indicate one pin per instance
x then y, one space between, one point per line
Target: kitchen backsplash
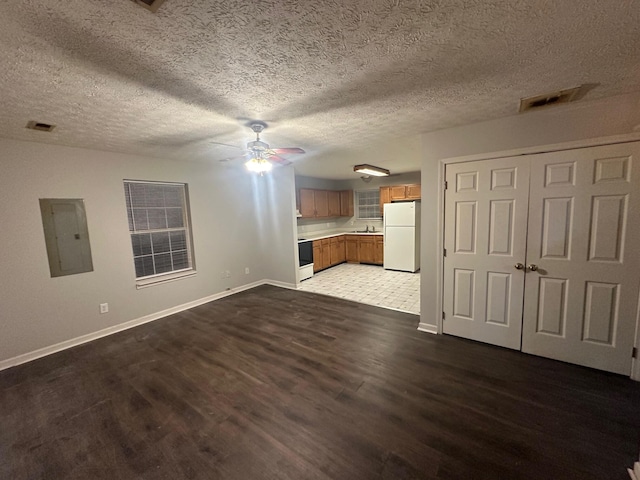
308 226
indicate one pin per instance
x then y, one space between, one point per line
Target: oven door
305 252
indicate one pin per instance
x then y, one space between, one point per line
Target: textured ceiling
328 76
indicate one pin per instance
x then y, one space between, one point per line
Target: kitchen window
368 204
160 231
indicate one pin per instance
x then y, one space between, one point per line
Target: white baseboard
425 327
43 352
277 283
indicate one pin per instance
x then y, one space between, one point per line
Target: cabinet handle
519 266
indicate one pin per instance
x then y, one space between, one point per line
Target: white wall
564 123
276 237
38 311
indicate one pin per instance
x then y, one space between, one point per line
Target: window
159 227
368 204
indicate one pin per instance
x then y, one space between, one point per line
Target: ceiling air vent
43 127
152 5
554 98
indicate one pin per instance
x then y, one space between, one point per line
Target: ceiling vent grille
152 5
548 99
43 127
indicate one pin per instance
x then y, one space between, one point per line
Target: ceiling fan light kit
258 165
261 156
371 170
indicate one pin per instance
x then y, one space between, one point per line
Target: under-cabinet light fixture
371 170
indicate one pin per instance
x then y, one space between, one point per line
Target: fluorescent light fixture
258 165
371 170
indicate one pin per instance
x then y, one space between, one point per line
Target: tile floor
368 284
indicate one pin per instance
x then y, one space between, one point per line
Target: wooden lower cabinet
328 252
351 248
365 249
317 256
379 250
337 250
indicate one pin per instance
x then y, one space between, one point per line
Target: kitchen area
359 239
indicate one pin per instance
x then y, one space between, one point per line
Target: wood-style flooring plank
279 384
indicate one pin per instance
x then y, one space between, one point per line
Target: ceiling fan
260 157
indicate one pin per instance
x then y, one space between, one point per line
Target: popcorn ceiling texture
326 75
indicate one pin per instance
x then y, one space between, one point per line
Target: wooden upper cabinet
333 202
307 202
413 192
385 197
398 192
346 203
322 203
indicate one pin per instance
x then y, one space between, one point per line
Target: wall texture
564 123
38 311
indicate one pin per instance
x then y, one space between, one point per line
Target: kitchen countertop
319 236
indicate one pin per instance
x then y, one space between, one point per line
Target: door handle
519 266
533 267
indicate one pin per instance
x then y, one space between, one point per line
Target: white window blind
159 227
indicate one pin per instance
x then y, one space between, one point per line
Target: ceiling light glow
371 170
258 165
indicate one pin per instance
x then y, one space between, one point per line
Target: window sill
169 277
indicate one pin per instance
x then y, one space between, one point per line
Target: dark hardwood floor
280 384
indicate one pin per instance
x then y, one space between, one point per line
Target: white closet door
485 237
583 237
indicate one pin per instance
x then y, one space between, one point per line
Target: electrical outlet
104 308
246 270
228 274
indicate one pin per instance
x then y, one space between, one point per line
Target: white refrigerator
402 236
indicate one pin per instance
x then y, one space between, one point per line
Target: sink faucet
367 230
373 229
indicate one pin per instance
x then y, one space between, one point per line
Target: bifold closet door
485 239
583 256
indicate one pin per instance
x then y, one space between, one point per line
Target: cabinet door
366 249
413 192
398 192
385 197
335 251
341 249
326 253
307 202
333 203
351 248
346 203
322 203
317 256
379 250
